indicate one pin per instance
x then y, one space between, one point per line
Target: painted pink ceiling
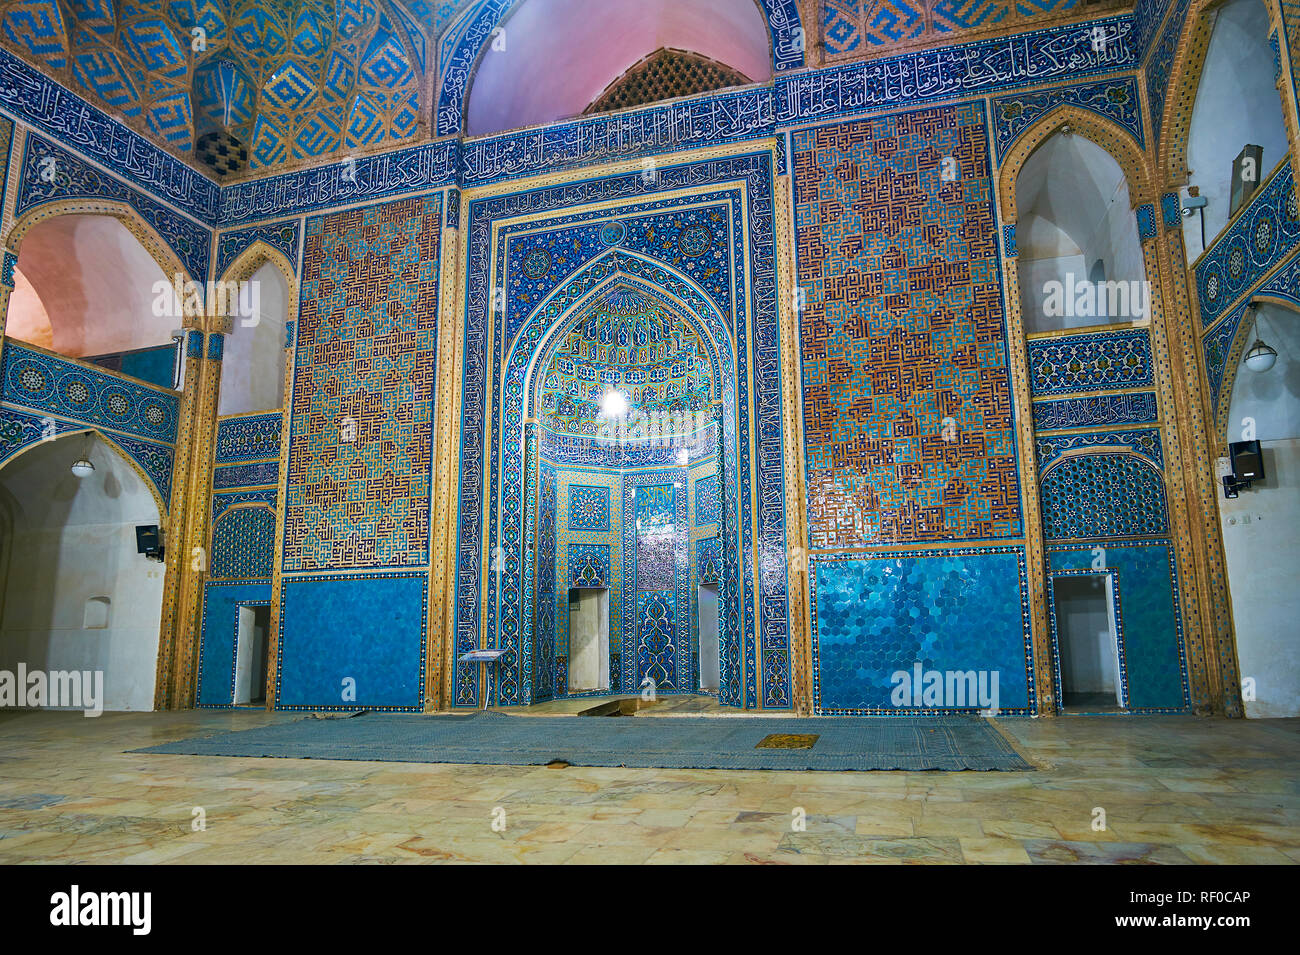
561 54
95 283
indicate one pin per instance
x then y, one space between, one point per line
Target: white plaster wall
1261 527
252 367
73 540
1261 537
1237 103
1272 398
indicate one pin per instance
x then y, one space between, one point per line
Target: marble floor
1172 790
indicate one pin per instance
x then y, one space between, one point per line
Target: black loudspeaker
148 541
1247 461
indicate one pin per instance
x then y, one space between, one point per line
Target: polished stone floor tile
1173 790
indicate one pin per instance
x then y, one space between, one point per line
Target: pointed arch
720 360
465 41
246 264
112 445
1183 83
1118 143
1232 361
1181 87
153 243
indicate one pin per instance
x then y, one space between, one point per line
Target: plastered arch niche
553 58
1259 526
252 365
1236 103
87 288
1076 227
76 594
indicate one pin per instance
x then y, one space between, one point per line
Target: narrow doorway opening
710 663
1087 643
252 645
588 639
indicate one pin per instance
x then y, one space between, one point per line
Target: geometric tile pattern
243 543
1258 238
707 504
1103 495
544 648
289 79
1115 99
857 27
907 396
708 560
588 508
1161 63
693 240
248 438
361 448
948 610
625 342
282 236
56 386
656 534
76 179
589 565
1097 362
492 389
1145 441
217 657
1222 344
656 583
1150 631
221 503
18 431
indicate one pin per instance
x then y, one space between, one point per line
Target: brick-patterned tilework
366 352
903 327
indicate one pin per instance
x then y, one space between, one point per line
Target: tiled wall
907 408
360 456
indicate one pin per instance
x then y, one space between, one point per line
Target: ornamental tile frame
1178 406
756 448
253 446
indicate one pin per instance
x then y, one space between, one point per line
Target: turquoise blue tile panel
951 610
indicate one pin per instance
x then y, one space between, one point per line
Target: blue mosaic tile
953 610
1150 626
219 631
1103 495
364 628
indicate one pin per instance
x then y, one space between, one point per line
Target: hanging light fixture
1260 357
83 467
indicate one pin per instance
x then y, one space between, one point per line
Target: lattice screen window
221 152
666 74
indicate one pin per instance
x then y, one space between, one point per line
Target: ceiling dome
629 343
254 83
